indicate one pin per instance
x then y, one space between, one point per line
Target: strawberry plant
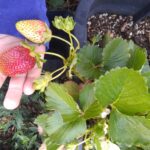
106 101
111 98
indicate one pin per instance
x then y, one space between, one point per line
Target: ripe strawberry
34 30
16 60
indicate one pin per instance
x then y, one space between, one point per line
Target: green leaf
133 148
125 89
32 141
107 38
73 89
50 145
93 110
49 123
41 119
89 104
137 58
146 72
133 104
116 53
57 98
145 68
68 132
129 130
86 96
56 3
89 61
96 39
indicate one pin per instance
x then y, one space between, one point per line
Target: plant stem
59 38
78 43
71 41
54 54
78 75
57 70
64 69
81 143
70 37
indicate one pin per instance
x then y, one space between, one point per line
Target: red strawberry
16 60
34 30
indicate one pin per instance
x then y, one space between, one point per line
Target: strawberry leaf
50 122
89 61
50 145
116 53
57 132
73 89
146 72
125 89
67 132
57 98
90 106
137 58
135 129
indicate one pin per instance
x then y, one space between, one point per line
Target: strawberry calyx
42 82
33 53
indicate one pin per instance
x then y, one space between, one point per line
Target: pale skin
21 83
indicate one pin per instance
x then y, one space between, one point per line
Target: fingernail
10 104
28 91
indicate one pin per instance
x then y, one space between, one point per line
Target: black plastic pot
87 8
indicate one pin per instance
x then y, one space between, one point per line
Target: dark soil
123 26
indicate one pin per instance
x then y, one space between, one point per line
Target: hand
21 83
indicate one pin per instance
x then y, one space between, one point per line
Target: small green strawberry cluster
22 58
65 24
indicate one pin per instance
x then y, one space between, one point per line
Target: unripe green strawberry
34 30
16 60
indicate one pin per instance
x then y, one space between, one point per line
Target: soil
123 26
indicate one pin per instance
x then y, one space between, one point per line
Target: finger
32 75
14 93
8 41
2 79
